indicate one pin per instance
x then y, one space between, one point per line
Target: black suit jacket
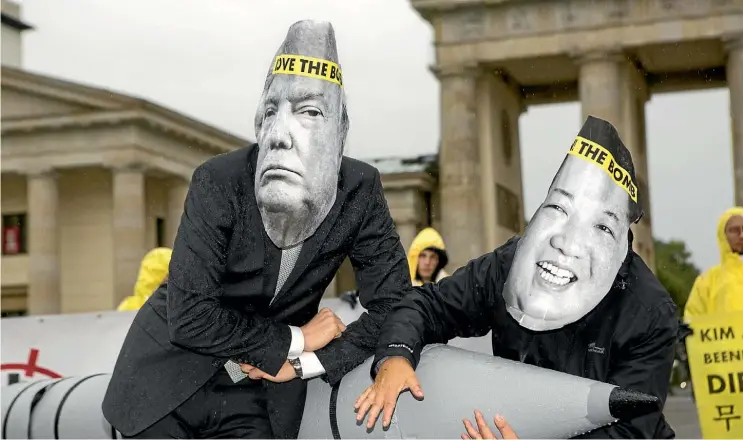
223 272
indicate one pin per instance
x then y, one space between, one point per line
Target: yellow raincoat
427 239
720 289
152 272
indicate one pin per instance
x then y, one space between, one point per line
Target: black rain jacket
627 340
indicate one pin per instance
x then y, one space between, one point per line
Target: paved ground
682 415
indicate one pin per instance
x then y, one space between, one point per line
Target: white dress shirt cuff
297 345
311 366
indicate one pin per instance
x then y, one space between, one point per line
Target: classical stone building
91 180
494 58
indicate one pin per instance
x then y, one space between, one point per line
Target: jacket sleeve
696 304
379 262
460 305
646 368
197 321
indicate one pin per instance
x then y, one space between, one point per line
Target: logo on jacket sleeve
593 348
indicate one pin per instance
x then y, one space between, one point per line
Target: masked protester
427 257
570 295
720 289
224 348
152 272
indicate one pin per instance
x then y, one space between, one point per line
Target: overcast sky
208 59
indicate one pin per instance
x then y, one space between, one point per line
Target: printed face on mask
572 249
300 141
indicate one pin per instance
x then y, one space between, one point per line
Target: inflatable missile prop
538 403
69 407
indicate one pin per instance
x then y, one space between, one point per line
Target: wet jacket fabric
719 289
152 272
627 340
218 302
428 238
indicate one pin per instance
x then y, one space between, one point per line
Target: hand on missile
322 329
395 376
483 430
285 374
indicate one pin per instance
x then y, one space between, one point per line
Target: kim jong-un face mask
572 249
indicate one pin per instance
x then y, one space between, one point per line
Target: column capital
471 70
733 41
606 54
124 166
41 171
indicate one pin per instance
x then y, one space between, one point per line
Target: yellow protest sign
715 353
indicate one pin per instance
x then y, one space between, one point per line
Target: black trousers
220 409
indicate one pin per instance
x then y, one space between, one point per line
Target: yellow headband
310 67
596 154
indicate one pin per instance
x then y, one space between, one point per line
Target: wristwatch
297 366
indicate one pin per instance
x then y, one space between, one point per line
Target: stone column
459 165
612 88
407 230
44 290
177 191
734 48
600 85
499 109
129 231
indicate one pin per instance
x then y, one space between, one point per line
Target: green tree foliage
675 270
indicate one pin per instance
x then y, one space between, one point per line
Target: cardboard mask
301 125
577 240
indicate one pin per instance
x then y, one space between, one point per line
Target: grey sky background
208 59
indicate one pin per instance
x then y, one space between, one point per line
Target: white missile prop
536 402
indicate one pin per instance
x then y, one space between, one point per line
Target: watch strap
297 365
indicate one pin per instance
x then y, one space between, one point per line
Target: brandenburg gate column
129 231
613 88
44 296
459 164
499 108
734 48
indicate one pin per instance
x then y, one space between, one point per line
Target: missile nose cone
626 404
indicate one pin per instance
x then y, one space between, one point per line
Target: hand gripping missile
536 402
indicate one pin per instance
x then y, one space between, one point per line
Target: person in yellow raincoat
152 272
720 289
427 257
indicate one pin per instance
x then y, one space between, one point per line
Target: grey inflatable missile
537 402
66 408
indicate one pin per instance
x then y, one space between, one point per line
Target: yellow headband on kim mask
600 156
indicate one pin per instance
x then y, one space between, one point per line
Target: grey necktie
289 258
